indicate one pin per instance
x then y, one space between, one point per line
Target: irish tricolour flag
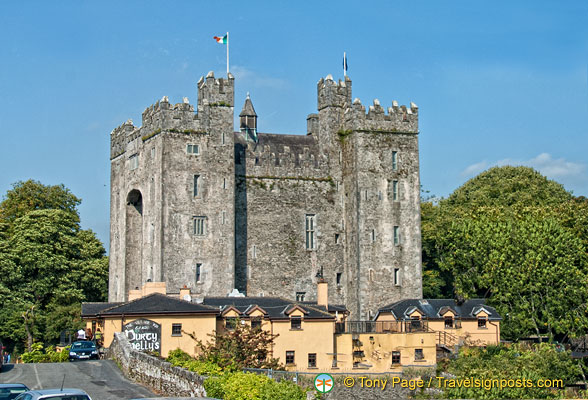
221 40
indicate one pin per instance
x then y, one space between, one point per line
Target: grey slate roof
434 308
274 306
248 109
158 303
91 309
330 308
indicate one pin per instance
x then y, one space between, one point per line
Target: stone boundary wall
153 372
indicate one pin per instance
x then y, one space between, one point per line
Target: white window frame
394 160
396 276
310 232
192 148
196 189
397 238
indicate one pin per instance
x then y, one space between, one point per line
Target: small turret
248 117
334 94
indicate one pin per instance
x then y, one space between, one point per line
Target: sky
497 83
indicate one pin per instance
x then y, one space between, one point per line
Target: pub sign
144 334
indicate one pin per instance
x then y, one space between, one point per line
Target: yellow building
311 337
471 322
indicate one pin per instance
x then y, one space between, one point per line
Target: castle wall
255 198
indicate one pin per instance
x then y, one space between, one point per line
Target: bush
283 390
40 355
244 386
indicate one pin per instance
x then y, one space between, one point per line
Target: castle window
253 251
289 357
176 329
134 162
395 357
223 217
296 323
394 160
196 179
396 235
338 279
310 232
222 138
395 190
373 235
198 272
337 238
193 149
396 276
224 183
199 226
371 275
153 152
311 360
300 296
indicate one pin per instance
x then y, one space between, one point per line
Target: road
101 379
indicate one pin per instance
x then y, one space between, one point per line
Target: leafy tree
518 239
242 347
47 263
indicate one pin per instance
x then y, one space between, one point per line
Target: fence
381 326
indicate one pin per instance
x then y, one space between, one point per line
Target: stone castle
195 203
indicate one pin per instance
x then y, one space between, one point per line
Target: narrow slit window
198 272
397 276
310 231
196 183
395 195
394 160
338 279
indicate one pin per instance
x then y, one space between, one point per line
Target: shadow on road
7 367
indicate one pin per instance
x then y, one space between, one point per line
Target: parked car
54 394
83 350
9 391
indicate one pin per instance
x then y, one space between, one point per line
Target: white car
54 394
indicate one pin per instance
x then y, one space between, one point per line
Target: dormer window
482 322
448 322
296 323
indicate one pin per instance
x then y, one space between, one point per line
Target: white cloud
245 75
553 168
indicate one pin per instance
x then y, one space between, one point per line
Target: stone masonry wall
153 372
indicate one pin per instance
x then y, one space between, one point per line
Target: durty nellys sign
143 334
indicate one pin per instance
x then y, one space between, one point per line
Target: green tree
47 263
518 239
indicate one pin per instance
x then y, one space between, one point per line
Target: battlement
334 94
401 119
118 138
163 115
216 92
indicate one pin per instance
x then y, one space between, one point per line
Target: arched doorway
134 241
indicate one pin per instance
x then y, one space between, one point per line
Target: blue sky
496 83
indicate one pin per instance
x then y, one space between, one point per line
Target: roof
435 308
91 309
157 303
275 307
248 109
330 307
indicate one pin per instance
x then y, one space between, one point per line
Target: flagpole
344 64
227 53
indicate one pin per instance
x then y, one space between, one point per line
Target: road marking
37 376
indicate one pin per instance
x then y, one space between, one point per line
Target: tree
242 347
518 239
47 262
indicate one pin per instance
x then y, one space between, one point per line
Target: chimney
185 293
322 293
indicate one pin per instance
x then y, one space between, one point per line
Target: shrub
283 390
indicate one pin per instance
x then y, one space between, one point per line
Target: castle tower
172 214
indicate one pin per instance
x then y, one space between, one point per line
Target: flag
344 62
221 40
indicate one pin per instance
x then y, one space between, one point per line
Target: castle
195 203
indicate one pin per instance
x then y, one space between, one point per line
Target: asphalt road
101 379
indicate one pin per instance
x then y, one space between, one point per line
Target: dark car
10 391
83 350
